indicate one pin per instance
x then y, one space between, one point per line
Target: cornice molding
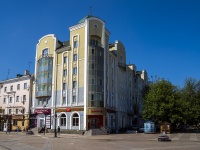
78 26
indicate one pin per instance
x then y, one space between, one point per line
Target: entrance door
94 123
41 122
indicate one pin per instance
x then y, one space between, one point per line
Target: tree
190 94
160 102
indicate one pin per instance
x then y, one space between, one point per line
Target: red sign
68 109
42 111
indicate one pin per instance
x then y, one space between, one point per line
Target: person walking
43 128
58 130
17 129
8 129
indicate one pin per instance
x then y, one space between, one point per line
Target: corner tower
89 40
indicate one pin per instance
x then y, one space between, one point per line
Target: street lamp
55 115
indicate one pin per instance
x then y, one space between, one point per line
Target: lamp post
55 115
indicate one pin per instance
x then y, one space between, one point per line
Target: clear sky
160 36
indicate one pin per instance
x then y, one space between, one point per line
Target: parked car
163 137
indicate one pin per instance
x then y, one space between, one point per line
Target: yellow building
76 82
71 74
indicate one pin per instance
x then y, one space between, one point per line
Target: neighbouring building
85 83
15 98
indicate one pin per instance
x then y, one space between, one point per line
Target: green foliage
190 94
165 102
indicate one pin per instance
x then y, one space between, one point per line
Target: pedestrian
8 129
58 130
17 129
44 129
26 128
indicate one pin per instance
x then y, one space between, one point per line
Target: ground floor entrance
95 121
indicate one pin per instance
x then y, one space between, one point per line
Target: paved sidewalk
141 141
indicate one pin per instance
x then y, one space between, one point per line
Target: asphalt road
132 141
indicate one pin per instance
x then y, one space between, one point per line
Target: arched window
75 121
45 53
63 120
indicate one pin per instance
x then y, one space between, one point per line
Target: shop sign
18 117
42 111
68 109
96 111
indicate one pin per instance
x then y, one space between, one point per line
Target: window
64 86
17 111
92 66
74 99
45 101
92 103
92 81
24 98
63 120
75 44
14 122
65 72
45 53
75 120
4 100
64 100
93 42
5 89
75 57
65 59
100 81
25 85
18 86
95 26
74 84
100 97
10 100
92 51
23 110
11 88
75 70
10 111
112 121
17 98
22 123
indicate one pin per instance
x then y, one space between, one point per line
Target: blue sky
160 36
